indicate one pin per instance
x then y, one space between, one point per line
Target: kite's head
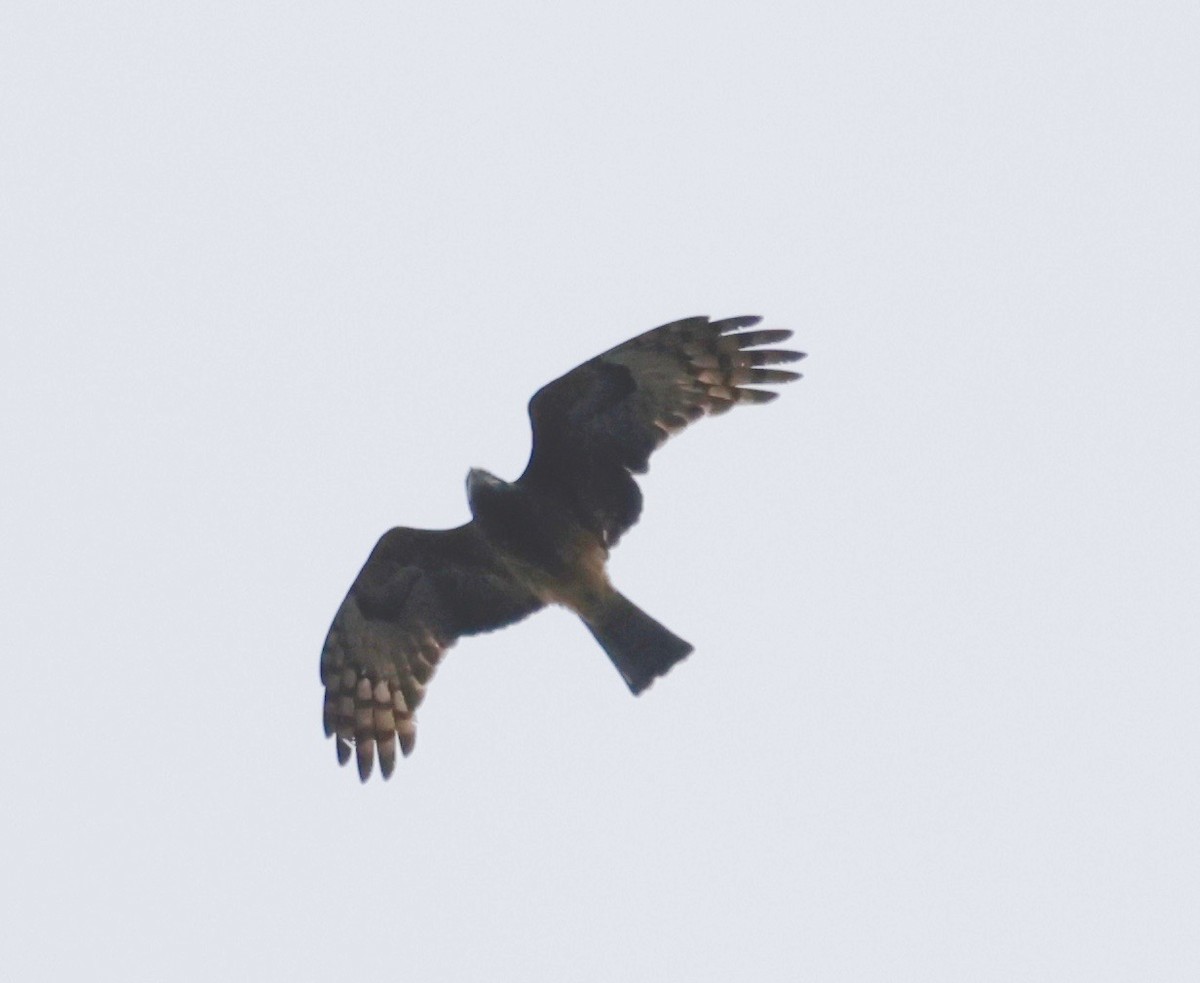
480 484
506 513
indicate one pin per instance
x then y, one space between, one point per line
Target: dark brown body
557 559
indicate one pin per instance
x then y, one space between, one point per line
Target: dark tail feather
639 646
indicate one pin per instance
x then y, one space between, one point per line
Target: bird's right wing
417 593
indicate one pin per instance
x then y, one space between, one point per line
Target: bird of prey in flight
542 539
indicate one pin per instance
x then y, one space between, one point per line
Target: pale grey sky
272 277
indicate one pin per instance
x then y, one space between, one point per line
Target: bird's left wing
419 590
596 426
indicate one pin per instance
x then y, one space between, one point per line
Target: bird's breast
543 546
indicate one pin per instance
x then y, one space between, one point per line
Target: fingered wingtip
727 324
408 740
365 748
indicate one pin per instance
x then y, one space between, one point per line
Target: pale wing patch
695 367
370 699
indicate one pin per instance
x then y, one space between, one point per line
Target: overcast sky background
274 276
